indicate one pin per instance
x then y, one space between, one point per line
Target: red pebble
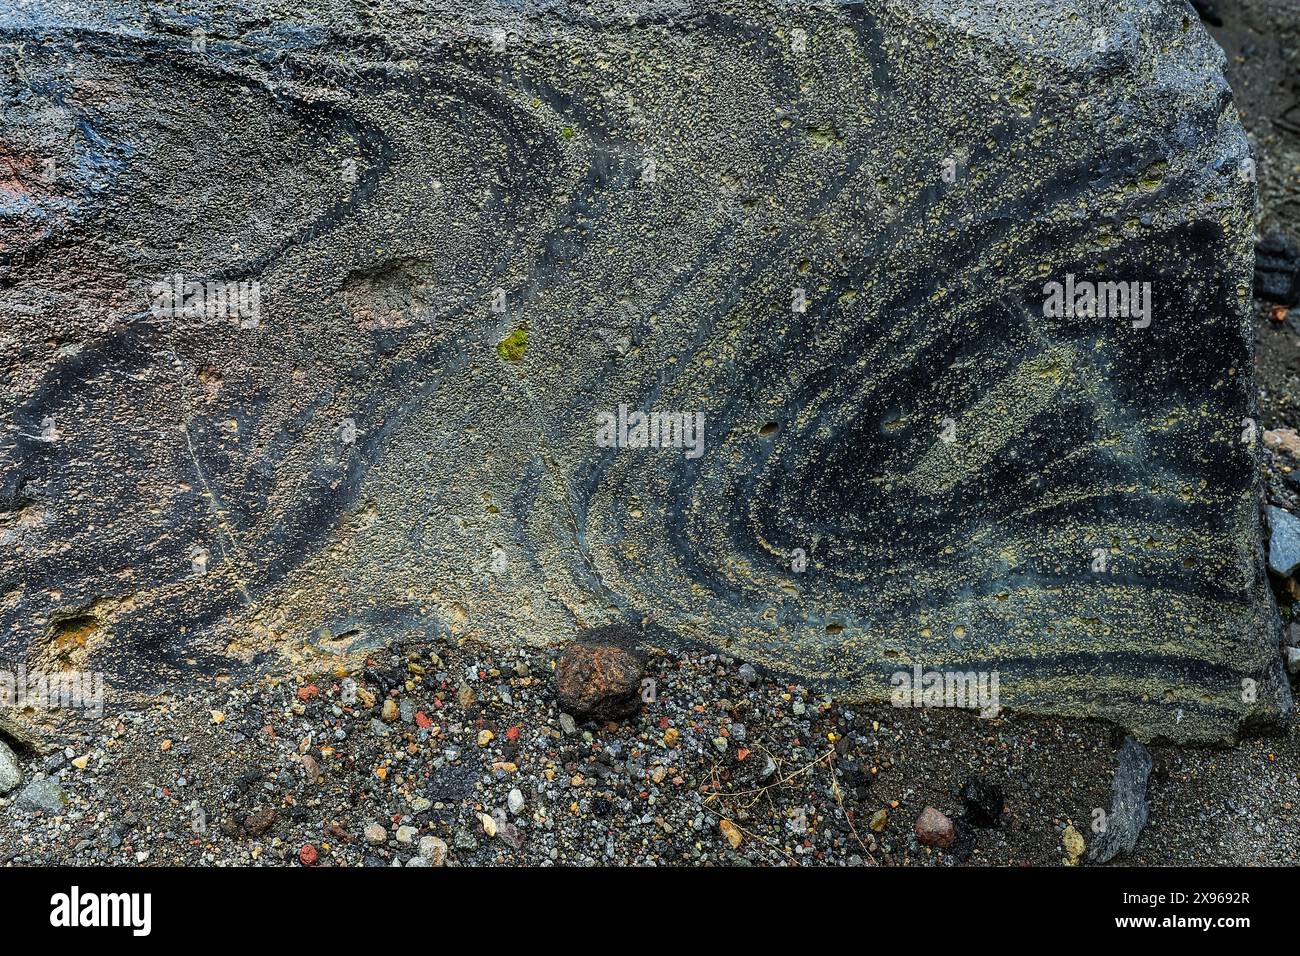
423 720
512 733
308 692
308 856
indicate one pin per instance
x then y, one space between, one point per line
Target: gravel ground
253 776
471 762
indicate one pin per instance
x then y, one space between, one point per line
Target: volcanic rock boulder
330 322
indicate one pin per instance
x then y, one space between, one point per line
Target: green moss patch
513 346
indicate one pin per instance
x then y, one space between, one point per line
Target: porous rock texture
600 674
476 227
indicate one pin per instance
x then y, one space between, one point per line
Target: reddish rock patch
934 828
599 674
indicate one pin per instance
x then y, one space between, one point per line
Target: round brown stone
934 828
599 675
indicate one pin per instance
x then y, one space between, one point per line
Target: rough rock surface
599 675
11 771
475 230
1283 542
44 794
1128 806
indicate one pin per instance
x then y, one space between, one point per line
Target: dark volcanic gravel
255 776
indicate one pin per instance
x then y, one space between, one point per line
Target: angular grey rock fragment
1283 542
1128 804
44 794
11 773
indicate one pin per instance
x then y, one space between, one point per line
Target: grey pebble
11 773
44 795
1284 542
